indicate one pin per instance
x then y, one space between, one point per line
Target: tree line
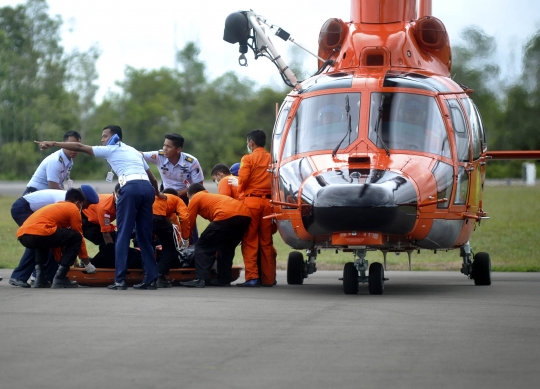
45 92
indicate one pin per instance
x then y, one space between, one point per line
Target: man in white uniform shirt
138 188
178 170
54 169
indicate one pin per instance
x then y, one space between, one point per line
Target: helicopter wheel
350 279
481 269
295 268
376 278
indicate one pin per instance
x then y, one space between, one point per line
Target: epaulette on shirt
189 159
161 152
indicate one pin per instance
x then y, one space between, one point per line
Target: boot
61 280
41 280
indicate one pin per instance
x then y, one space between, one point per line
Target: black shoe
63 282
118 286
250 283
21 283
61 279
214 282
144 286
162 282
196 283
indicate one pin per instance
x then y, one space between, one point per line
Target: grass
510 237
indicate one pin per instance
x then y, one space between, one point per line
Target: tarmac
428 329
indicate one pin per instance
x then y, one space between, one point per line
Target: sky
146 34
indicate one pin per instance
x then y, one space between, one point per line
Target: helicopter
378 150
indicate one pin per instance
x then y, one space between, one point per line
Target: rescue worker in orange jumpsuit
254 181
98 228
229 219
56 225
165 211
220 175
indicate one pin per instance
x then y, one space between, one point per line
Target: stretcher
104 277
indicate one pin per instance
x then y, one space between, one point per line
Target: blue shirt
123 159
44 197
177 176
56 168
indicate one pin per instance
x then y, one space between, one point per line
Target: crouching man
56 225
229 219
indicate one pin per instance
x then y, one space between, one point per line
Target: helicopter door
461 137
477 174
276 142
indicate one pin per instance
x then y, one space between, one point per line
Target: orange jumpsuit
46 220
254 182
96 212
174 205
228 190
214 207
229 219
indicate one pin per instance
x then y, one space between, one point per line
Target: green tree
38 81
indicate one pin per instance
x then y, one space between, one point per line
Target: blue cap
234 169
90 194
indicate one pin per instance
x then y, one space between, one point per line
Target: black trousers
63 237
222 237
163 230
105 256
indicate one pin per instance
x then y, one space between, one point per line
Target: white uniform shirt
179 176
123 159
44 197
56 168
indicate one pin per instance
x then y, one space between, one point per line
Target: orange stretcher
104 277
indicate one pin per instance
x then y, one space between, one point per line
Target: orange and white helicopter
380 149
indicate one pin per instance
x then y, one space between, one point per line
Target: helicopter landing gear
481 268
350 279
295 268
298 269
355 272
376 278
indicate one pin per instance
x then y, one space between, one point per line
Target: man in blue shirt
138 187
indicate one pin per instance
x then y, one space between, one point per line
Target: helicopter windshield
321 122
408 122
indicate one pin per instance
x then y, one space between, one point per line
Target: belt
123 179
267 196
159 217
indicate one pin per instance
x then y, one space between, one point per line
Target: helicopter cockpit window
321 122
278 129
406 121
460 130
476 127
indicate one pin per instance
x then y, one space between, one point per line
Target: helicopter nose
385 203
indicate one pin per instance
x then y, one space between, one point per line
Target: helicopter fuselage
397 181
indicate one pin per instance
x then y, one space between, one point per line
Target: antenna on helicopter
238 26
